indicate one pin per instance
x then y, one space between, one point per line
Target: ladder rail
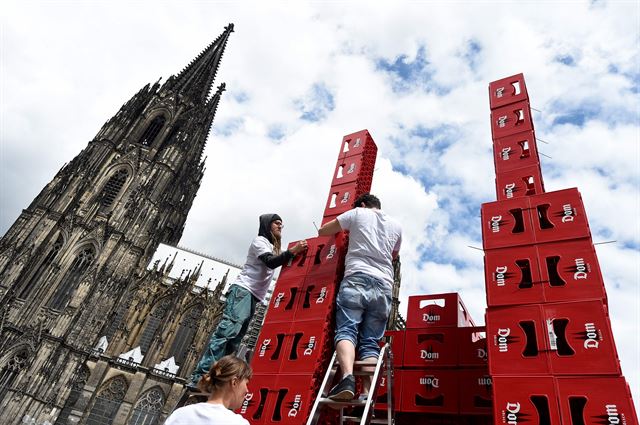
328 378
374 384
385 359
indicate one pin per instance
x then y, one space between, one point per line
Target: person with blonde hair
250 287
226 382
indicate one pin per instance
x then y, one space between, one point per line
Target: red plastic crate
507 90
580 340
570 271
271 347
475 391
525 181
595 400
558 216
512 276
258 400
276 399
309 344
431 347
516 151
396 342
282 306
472 343
352 168
511 119
317 299
327 258
342 197
298 265
506 223
358 143
433 391
517 341
525 400
437 310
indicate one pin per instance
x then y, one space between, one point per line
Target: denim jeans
363 307
225 340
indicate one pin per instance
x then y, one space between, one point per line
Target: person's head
271 228
228 377
367 201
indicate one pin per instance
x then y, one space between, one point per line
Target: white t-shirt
205 414
255 275
373 237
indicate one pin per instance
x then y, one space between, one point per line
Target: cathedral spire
196 79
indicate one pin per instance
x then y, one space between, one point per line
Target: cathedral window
113 187
76 389
108 401
68 283
185 333
26 287
152 131
148 408
10 370
153 323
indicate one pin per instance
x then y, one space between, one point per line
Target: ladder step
358 419
339 404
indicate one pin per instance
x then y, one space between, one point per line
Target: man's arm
330 228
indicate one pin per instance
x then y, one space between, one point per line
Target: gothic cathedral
88 333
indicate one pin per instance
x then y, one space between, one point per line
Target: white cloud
66 68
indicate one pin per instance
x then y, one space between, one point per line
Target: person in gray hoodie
250 287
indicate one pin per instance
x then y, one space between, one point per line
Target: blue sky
301 75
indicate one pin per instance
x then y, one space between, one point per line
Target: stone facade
73 267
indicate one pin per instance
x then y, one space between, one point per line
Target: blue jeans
363 307
236 316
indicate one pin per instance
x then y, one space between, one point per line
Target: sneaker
345 390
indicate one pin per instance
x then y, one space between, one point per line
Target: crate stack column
440 364
296 341
552 356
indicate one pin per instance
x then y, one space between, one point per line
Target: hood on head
265 225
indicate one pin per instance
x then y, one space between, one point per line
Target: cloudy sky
301 75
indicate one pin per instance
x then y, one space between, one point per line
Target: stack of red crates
551 351
296 340
440 364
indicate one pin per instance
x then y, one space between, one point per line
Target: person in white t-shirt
364 297
250 287
226 382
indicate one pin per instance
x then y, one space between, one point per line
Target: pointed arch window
148 408
112 189
71 278
108 401
10 370
154 319
152 131
186 332
27 286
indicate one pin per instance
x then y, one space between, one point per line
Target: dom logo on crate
495 222
322 295
503 339
247 403
429 354
309 346
612 415
485 381
481 353
430 382
581 269
502 274
294 406
511 413
264 347
591 335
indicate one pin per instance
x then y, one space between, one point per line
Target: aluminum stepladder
384 362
